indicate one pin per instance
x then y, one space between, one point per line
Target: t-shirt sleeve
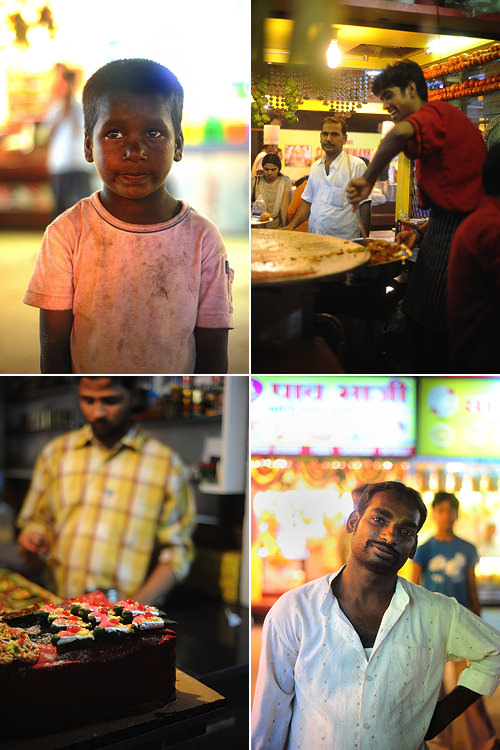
422 555
51 284
215 305
430 132
472 557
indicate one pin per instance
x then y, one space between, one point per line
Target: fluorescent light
445 45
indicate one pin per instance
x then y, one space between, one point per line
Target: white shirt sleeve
275 688
472 639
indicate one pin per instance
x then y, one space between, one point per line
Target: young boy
131 280
445 563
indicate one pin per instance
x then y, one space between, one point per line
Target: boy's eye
154 133
113 134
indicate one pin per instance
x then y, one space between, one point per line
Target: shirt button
366 725
369 678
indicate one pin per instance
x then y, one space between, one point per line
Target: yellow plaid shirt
109 512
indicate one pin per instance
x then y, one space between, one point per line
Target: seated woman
275 188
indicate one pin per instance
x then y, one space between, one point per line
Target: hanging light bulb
333 55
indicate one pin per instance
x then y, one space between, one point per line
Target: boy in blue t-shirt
445 563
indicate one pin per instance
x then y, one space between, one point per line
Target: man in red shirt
473 287
449 152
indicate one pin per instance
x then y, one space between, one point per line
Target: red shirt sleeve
449 152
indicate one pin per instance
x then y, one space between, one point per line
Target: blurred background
39 44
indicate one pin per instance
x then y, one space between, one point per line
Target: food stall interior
205 420
351 321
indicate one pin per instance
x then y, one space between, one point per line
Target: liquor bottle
187 396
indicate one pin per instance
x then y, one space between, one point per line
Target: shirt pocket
415 666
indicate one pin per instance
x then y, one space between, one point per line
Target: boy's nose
135 150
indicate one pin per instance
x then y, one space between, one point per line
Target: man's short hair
399 490
401 74
446 497
136 76
491 171
336 121
125 381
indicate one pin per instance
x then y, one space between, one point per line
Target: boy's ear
87 148
412 89
352 521
179 147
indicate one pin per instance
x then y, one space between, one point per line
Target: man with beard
354 660
108 507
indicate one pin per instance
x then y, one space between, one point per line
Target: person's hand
409 238
287 226
358 189
33 546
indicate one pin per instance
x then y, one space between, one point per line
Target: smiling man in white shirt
354 660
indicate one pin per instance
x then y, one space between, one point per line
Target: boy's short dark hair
336 121
401 74
446 497
491 171
136 76
400 490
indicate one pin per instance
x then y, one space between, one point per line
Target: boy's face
133 146
445 516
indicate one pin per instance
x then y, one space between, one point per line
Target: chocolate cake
52 677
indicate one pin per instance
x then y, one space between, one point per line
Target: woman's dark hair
491 171
401 74
399 490
136 76
272 159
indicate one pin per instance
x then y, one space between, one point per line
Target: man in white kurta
324 200
320 686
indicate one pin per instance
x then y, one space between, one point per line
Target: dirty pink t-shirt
137 291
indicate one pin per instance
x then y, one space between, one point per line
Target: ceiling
363 46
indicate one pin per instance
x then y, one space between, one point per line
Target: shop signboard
459 417
333 416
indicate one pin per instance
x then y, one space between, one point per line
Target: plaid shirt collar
134 438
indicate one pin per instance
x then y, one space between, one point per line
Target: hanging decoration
260 103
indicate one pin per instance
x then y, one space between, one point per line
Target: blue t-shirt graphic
445 565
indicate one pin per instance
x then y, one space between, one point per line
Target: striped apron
425 299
